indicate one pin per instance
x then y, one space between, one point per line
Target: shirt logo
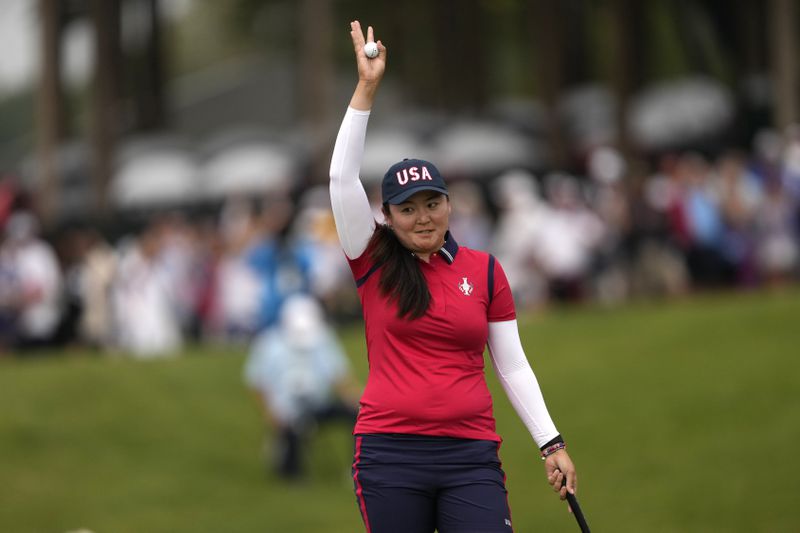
465 286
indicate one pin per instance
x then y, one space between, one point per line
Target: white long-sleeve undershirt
518 380
355 224
351 210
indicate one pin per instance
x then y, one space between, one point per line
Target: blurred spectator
282 261
70 249
776 234
740 195
8 288
32 283
698 222
608 198
765 160
329 275
237 287
98 271
301 378
147 323
209 251
569 240
469 220
8 196
657 266
791 162
181 261
521 219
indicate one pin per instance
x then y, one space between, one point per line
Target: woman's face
421 221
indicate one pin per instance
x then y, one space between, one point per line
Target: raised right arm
351 210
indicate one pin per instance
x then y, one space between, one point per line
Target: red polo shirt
426 375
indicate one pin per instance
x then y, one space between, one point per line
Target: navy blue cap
408 177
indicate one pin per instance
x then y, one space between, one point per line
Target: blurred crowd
620 230
686 222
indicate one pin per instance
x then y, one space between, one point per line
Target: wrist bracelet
550 450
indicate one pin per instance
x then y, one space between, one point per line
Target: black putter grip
576 510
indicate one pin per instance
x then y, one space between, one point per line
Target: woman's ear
387 215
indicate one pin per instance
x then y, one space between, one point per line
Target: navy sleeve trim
490 283
363 279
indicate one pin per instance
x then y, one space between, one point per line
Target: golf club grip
576 510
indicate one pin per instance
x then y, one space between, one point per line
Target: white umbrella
384 148
155 178
588 114
469 148
251 168
677 112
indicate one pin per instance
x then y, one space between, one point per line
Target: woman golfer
426 450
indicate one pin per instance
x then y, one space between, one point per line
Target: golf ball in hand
371 50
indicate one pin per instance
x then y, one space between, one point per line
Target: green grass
680 417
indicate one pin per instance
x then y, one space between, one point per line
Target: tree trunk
414 50
50 110
623 77
549 51
750 33
461 48
104 127
783 53
316 79
151 111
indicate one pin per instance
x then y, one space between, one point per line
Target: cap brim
405 195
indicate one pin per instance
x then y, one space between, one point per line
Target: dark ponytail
401 277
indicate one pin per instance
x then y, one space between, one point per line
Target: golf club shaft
576 510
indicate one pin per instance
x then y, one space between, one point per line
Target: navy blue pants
418 484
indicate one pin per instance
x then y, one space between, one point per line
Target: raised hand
370 71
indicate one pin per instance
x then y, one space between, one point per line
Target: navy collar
450 248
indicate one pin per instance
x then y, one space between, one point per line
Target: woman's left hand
557 466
